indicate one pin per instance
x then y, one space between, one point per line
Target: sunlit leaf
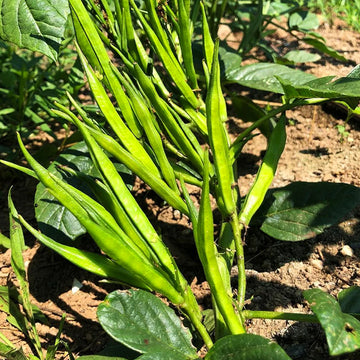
142 322
246 347
35 25
342 330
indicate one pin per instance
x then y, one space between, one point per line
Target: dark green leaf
246 347
142 322
163 355
261 76
349 300
342 330
321 46
301 56
275 9
343 88
302 210
303 20
35 25
100 357
11 353
55 220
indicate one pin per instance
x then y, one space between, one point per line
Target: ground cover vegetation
346 10
157 72
29 83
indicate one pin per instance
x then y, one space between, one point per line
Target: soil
277 271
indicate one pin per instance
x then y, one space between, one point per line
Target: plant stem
237 228
191 308
274 112
277 315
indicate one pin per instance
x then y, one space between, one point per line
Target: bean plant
165 121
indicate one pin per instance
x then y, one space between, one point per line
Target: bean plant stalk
166 121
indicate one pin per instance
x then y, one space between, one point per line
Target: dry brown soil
277 272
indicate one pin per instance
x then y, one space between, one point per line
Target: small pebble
347 251
177 214
317 263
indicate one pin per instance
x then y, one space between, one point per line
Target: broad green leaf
100 357
345 88
35 25
54 219
246 347
302 210
261 76
321 46
303 20
301 56
275 9
142 322
11 353
342 330
163 355
349 300
6 111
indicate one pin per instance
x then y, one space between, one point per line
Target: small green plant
345 10
15 302
256 20
167 125
29 83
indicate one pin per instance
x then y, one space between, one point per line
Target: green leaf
35 25
100 357
346 88
142 322
163 355
55 220
302 210
321 46
303 20
301 56
261 76
342 330
11 353
349 300
4 241
246 347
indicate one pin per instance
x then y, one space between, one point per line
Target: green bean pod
115 121
108 199
156 183
95 263
132 46
185 37
208 43
195 117
106 233
146 119
218 139
117 185
265 173
167 118
93 47
170 62
208 256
